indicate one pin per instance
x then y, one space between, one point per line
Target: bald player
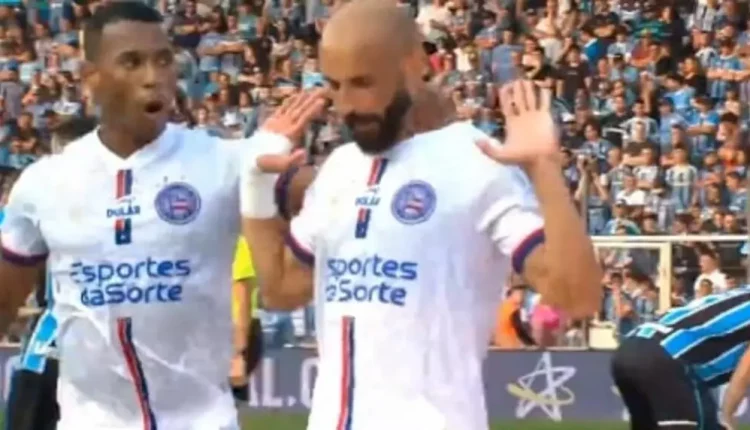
407 234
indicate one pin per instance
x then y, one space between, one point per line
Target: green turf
296 422
282 421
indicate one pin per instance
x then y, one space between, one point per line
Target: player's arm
539 235
285 278
23 248
736 388
564 269
282 251
536 220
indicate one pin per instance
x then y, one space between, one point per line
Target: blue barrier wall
555 385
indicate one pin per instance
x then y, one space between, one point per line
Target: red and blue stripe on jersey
124 183
124 188
377 169
125 336
347 374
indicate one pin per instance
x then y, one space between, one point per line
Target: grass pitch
282 421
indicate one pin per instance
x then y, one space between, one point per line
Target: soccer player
138 223
32 402
407 235
665 370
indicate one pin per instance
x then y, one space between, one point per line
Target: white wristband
257 194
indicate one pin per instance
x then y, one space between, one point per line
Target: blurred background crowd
651 95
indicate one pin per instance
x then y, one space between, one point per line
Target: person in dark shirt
573 75
604 22
539 71
666 370
674 30
571 138
667 61
612 123
694 77
186 26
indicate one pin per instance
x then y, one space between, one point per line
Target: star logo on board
543 388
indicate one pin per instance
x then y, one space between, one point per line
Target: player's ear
414 66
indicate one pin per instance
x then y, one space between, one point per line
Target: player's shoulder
36 173
37 177
199 145
33 183
198 140
49 167
455 146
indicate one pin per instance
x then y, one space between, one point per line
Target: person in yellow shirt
248 335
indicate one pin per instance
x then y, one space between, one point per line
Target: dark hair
593 123
733 174
710 254
729 117
112 13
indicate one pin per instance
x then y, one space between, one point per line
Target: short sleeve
305 228
20 236
512 218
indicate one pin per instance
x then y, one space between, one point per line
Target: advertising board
551 385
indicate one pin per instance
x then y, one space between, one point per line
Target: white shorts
82 415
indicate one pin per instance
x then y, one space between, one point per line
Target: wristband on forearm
258 199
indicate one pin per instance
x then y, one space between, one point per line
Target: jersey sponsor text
369 279
141 282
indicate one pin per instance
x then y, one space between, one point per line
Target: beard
375 133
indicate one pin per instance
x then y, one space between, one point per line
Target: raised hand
290 120
530 132
293 116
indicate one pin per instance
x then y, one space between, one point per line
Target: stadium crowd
652 97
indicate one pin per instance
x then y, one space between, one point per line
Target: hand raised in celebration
294 115
530 132
291 120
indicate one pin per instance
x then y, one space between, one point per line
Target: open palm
530 132
290 120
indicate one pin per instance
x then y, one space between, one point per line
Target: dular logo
549 395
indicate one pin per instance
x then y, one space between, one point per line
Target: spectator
546 324
511 330
710 270
618 305
705 288
631 195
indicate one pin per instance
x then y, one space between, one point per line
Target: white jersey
140 252
410 253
